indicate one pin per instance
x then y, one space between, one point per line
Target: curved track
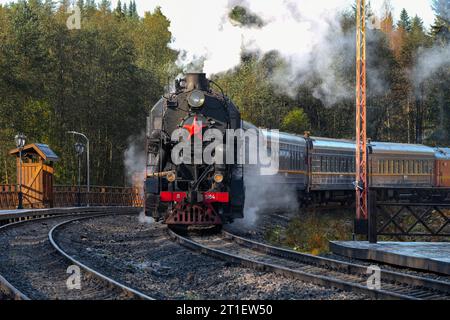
318 270
31 267
51 235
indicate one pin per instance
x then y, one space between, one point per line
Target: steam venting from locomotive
263 198
320 43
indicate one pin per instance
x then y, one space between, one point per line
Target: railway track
32 266
318 270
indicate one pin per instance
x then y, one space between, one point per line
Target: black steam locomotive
191 192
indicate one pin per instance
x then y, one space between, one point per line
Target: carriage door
443 178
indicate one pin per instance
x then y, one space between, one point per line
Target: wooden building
36 173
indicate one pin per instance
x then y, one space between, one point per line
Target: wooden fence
71 196
8 196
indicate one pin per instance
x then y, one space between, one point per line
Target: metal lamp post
79 149
87 161
20 143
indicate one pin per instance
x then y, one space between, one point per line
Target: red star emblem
195 128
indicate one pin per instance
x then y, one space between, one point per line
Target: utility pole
361 134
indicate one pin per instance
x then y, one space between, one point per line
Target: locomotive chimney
196 81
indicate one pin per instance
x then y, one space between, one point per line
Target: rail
112 288
113 283
318 270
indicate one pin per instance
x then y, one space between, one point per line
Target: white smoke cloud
265 194
134 161
142 218
430 60
299 30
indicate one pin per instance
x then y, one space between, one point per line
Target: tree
295 121
405 21
105 6
91 80
440 30
118 11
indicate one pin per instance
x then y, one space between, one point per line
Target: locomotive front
188 180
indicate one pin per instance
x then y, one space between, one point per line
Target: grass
311 232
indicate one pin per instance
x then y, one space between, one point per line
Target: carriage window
395 166
295 159
411 166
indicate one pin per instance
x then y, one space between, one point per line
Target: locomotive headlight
196 99
218 177
171 177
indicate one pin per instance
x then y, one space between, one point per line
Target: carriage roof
379 147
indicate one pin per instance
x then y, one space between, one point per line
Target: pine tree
440 30
405 21
133 10
80 4
105 6
118 11
130 9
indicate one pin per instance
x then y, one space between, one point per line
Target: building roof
41 149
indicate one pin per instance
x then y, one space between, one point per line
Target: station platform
14 212
426 256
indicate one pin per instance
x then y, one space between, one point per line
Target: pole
88 173
361 134
79 180
20 195
372 223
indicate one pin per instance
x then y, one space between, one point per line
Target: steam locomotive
317 170
191 192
